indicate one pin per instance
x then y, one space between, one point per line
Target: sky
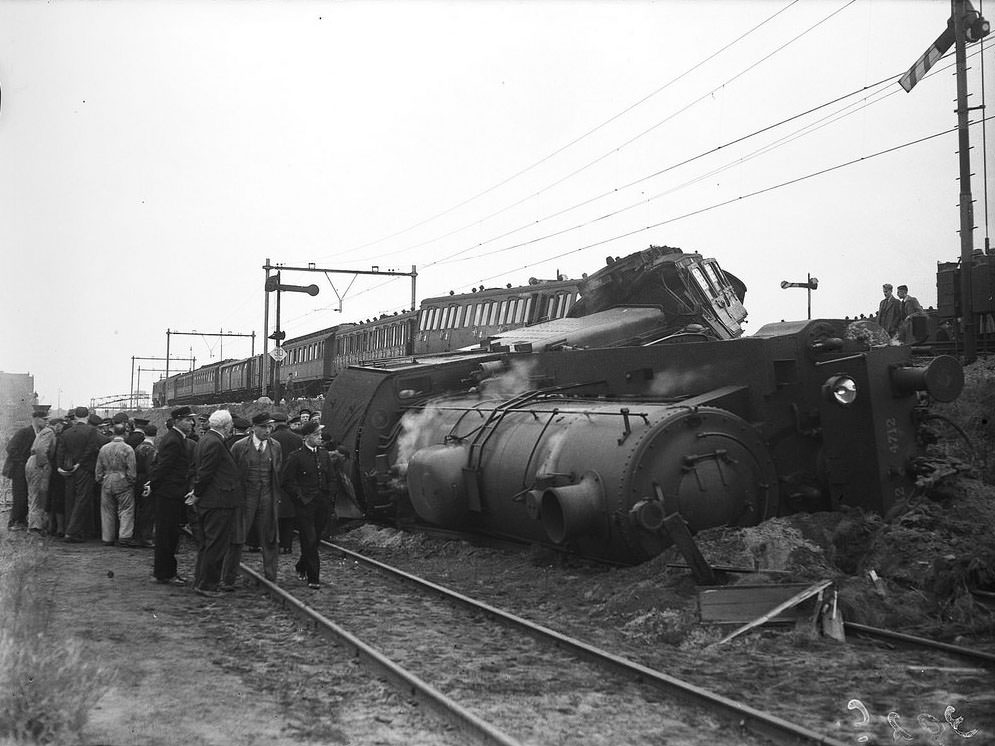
154 155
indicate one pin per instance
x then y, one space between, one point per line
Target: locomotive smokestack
574 510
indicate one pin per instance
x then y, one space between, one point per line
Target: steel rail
925 642
465 721
757 721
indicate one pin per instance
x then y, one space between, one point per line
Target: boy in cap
308 480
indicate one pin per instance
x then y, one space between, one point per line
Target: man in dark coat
308 479
217 494
18 452
170 482
889 311
289 442
78 461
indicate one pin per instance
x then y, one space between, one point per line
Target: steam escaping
418 430
666 384
517 380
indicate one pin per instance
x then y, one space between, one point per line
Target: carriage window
718 277
551 307
701 281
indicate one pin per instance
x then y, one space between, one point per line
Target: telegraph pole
959 14
964 26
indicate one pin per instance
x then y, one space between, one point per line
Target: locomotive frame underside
591 449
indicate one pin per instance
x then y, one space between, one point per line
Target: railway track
500 679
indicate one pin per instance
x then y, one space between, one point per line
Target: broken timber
677 529
793 601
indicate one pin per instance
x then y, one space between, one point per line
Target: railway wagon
948 295
691 290
306 370
588 440
452 322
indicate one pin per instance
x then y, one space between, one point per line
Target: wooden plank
793 601
677 529
738 604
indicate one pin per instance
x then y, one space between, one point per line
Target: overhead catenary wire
749 195
708 208
617 148
571 143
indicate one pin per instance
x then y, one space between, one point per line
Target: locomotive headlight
840 389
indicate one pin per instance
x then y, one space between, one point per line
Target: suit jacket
309 475
217 482
240 451
170 475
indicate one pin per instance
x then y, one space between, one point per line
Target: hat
263 418
279 417
56 421
203 417
294 420
181 413
94 420
303 411
140 423
106 421
120 417
41 410
80 412
309 427
240 423
150 430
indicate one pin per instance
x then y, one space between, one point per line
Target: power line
568 145
616 149
734 199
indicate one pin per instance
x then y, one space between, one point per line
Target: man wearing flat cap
309 478
259 459
169 480
77 458
38 470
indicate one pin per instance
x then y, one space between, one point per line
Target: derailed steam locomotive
587 432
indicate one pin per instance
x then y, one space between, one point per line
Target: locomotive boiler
591 447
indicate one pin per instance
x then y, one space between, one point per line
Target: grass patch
47 685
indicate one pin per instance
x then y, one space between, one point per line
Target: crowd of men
234 482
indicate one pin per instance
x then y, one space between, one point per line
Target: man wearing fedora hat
259 459
169 480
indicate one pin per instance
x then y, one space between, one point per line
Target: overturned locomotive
587 434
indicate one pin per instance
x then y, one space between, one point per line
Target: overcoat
217 480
